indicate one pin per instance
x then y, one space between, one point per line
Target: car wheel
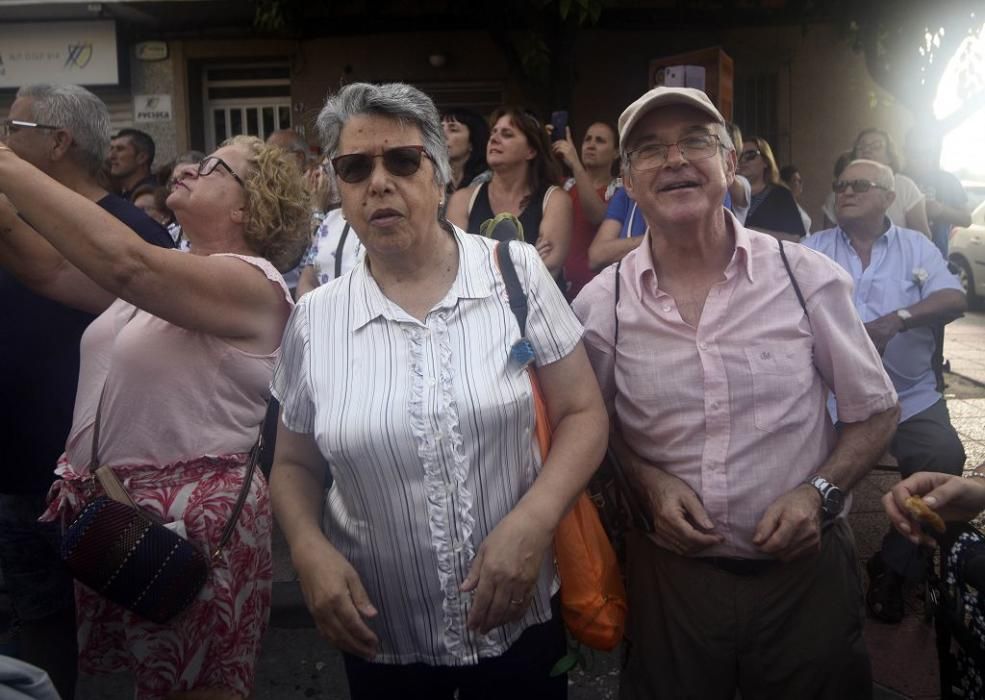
967 280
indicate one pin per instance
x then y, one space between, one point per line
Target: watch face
834 501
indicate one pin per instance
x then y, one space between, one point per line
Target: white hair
884 177
398 101
78 111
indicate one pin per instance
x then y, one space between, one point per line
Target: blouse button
667 308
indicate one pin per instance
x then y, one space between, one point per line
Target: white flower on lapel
920 276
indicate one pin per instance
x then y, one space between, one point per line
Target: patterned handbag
132 559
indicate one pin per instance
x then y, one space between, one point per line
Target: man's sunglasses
858 186
401 161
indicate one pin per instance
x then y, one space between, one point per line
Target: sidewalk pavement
297 664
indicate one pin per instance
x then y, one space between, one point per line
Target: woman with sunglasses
525 179
772 208
175 373
434 573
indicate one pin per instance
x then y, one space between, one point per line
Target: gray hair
398 101
79 112
717 128
884 176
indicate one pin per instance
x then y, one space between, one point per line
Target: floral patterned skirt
216 641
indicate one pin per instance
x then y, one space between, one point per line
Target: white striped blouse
428 428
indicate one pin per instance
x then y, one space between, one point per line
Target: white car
967 253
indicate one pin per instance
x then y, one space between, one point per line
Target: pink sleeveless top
171 394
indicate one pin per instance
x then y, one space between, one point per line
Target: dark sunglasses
401 161
208 165
748 155
858 186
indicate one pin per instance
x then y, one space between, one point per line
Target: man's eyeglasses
747 156
208 165
401 161
653 155
858 186
9 126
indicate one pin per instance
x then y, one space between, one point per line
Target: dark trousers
700 632
522 673
925 442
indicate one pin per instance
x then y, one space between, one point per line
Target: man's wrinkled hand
791 527
680 522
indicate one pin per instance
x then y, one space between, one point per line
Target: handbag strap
793 280
514 290
338 250
115 490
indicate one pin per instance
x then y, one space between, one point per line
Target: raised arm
209 294
42 269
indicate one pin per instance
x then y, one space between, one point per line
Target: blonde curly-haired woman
176 372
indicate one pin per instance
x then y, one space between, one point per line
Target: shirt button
703 345
667 308
714 405
765 355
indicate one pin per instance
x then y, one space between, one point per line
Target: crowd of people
746 368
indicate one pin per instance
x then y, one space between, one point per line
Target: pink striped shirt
735 407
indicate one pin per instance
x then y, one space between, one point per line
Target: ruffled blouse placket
434 421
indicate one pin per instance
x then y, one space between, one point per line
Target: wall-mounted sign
152 50
80 53
152 108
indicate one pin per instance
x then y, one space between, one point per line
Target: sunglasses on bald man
858 186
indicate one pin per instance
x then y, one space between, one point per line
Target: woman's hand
336 598
566 150
954 498
505 570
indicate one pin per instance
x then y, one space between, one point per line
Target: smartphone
559 124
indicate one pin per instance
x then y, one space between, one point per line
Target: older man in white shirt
902 288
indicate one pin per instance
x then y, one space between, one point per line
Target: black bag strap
338 250
244 491
615 305
514 290
793 280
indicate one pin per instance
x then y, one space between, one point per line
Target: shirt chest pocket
782 374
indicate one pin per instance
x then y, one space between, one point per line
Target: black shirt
529 218
775 209
148 180
39 368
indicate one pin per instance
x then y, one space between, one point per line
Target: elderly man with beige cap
716 347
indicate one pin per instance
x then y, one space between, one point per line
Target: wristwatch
832 497
904 316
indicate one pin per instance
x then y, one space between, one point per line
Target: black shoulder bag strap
793 280
615 310
338 250
514 290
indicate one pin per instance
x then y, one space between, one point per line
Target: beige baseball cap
662 97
